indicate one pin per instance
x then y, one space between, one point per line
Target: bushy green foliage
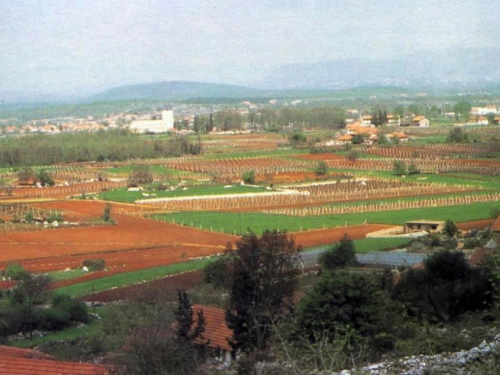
29 217
450 229
140 174
342 299
113 145
399 168
262 277
94 264
352 155
215 272
412 169
24 311
382 140
297 138
249 177
339 256
321 169
457 135
357 139
44 178
15 271
446 288
26 175
106 215
471 243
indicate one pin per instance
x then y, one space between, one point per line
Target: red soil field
130 233
329 236
479 224
320 157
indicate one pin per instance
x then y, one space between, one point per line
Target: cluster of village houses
362 126
356 123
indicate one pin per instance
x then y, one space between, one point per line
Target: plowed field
134 241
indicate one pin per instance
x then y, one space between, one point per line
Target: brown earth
320 157
164 289
328 236
128 236
478 224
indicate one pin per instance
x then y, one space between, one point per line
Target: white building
481 111
165 124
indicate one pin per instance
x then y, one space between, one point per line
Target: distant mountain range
174 90
449 68
445 69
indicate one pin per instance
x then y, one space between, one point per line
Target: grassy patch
122 195
65 275
369 245
129 278
233 222
72 333
156 169
254 154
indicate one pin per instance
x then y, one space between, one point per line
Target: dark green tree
457 135
26 176
412 169
450 229
342 299
249 177
263 276
399 168
106 215
44 178
352 155
321 169
140 174
339 256
184 316
357 139
445 288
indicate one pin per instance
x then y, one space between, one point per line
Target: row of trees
271 119
113 145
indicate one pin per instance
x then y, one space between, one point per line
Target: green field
369 245
122 195
129 278
233 222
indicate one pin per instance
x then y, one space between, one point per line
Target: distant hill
174 90
450 68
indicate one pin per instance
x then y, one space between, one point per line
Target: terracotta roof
478 256
216 329
346 137
398 135
15 361
496 225
419 118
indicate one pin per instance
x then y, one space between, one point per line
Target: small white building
163 125
421 121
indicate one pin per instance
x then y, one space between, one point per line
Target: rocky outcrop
482 359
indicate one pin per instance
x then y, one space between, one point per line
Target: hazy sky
59 45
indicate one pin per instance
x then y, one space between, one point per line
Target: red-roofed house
216 331
15 361
479 255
